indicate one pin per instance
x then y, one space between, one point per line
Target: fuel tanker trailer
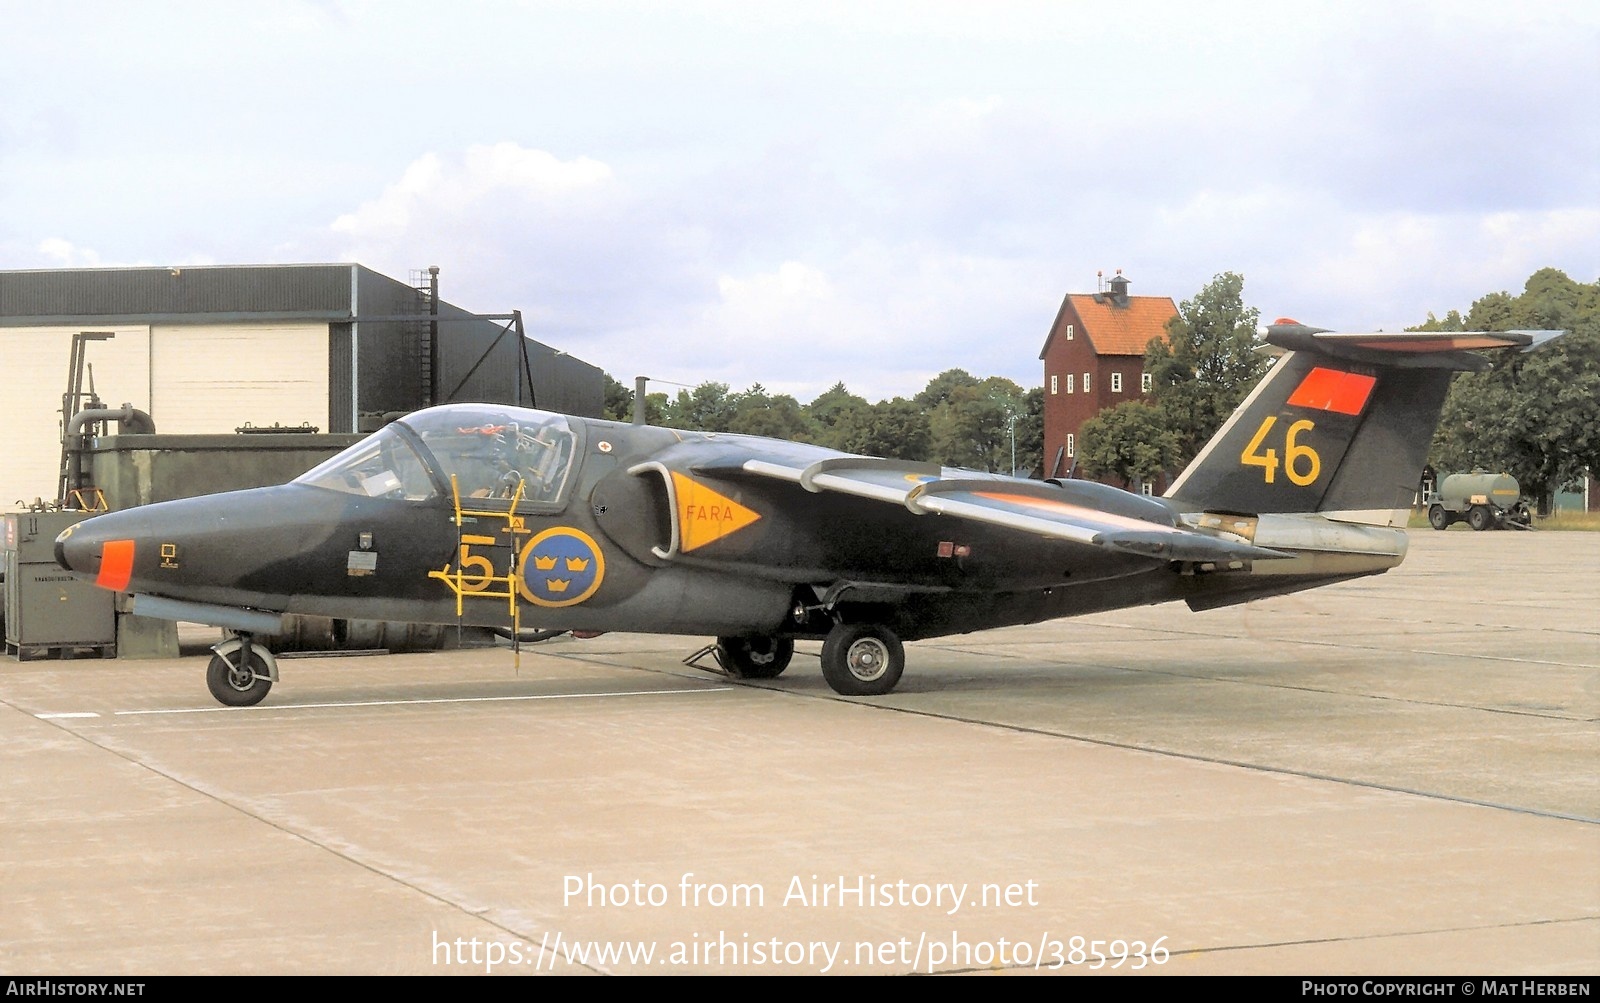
1480 499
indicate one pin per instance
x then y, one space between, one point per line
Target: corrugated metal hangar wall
209 349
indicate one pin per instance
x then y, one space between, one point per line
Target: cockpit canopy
476 450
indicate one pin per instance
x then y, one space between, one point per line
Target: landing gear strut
862 659
241 673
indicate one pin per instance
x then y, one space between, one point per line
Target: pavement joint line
416 701
1168 673
308 840
752 684
1151 750
1171 753
1344 644
1023 729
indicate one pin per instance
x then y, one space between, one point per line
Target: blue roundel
560 567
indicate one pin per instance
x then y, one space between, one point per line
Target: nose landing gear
241 673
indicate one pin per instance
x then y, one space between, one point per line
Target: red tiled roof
1123 330
1116 330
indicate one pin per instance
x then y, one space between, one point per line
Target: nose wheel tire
862 660
237 682
754 657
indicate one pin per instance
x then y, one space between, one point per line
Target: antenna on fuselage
639 383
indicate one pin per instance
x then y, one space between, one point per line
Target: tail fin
1339 426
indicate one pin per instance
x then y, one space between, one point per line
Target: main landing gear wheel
862 659
1438 518
754 657
527 636
1478 518
238 683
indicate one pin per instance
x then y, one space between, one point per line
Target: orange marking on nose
116 565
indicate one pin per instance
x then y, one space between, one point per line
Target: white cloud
770 272
503 178
57 252
64 254
774 300
1407 265
796 194
882 319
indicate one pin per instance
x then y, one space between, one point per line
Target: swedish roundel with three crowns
561 567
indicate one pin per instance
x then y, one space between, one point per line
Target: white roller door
33 376
208 380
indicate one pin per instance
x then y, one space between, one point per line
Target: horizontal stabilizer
1406 349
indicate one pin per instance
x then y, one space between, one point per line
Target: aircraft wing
1079 512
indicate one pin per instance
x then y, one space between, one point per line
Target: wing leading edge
1078 512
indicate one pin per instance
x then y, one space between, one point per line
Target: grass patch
1587 522
1580 522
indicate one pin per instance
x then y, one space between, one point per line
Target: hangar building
207 350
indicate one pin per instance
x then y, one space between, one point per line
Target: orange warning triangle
704 516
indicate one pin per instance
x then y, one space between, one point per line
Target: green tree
618 400
896 429
970 427
832 402
969 422
836 411
1130 442
1030 433
779 416
1534 416
1207 365
940 388
709 407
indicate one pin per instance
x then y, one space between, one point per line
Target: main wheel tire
1438 518
235 686
528 635
1479 518
862 660
755 657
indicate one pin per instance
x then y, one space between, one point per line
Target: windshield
492 452
383 465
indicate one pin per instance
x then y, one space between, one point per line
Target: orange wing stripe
1068 509
116 564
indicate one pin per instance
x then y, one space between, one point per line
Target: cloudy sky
800 193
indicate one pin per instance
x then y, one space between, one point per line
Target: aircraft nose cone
75 555
89 554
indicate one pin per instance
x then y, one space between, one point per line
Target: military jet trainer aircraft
503 517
